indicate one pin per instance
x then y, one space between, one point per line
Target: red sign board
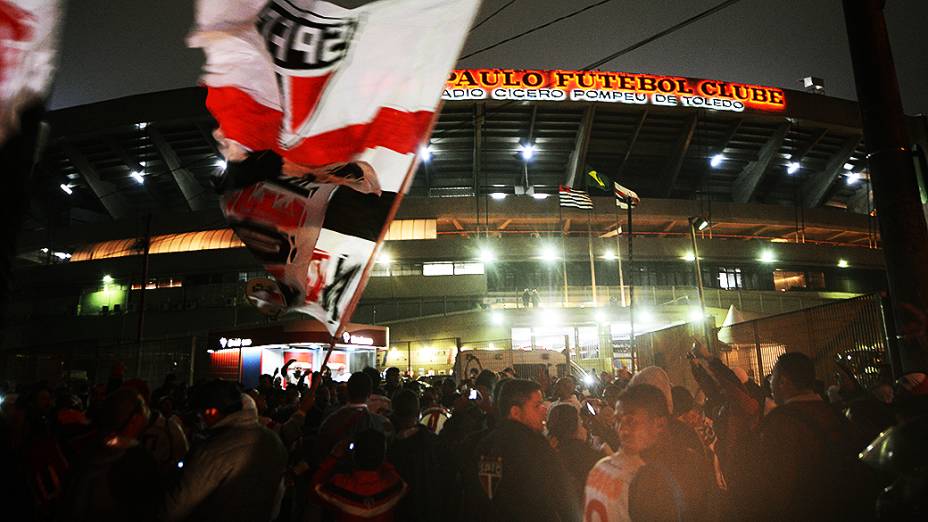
610 87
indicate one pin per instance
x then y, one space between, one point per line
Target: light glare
528 151
767 256
716 160
137 176
792 167
498 196
67 190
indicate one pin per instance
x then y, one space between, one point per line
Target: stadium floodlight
425 153
609 255
137 176
848 166
487 255
842 263
696 315
767 256
498 196
67 190
600 316
497 317
384 258
644 316
107 279
792 167
716 160
853 178
689 256
548 254
539 195
528 151
699 223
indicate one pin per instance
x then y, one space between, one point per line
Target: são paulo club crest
490 473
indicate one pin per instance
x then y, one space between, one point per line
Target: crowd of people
495 446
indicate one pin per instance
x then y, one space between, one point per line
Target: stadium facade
482 256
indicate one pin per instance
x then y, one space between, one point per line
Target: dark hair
118 408
370 448
682 400
359 387
374 376
563 421
393 370
611 394
225 396
487 379
406 404
798 368
516 392
644 397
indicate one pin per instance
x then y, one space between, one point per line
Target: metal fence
847 335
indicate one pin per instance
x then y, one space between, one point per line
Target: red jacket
359 495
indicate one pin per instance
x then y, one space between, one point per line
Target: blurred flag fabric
28 53
321 110
625 197
598 179
569 197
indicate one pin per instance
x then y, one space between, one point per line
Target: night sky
113 49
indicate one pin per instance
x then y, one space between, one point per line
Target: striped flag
624 197
574 198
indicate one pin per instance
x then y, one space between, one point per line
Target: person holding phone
569 438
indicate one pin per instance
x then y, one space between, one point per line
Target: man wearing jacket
520 477
236 473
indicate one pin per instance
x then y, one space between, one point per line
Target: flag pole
618 255
631 295
589 241
560 226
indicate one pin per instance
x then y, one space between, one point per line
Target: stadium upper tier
499 132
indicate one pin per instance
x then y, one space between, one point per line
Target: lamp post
700 223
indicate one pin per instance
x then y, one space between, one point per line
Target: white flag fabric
625 197
321 111
568 197
28 53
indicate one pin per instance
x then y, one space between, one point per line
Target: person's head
448 388
565 388
374 376
124 415
216 399
265 381
611 394
564 423
166 406
520 400
359 387
323 397
657 377
508 372
406 408
393 375
643 416
429 398
370 448
486 383
793 374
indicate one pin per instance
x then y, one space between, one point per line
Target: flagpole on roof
589 242
560 226
618 255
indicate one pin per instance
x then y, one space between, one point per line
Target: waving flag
624 197
598 179
569 197
321 110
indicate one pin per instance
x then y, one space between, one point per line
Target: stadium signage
610 87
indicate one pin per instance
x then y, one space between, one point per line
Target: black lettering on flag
333 293
355 214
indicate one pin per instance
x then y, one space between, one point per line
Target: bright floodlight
700 223
137 176
107 279
549 254
644 316
842 263
425 153
540 196
384 258
528 151
609 255
766 256
792 167
588 379
548 317
498 196
487 255
600 317
689 256
695 315
497 317
848 166
67 190
716 160
852 178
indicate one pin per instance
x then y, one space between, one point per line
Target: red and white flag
328 106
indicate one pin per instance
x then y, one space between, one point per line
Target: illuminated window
438 269
784 281
730 278
408 229
468 268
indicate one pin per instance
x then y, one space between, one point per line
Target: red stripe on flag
304 95
242 119
392 129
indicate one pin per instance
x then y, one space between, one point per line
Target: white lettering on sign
357 339
235 342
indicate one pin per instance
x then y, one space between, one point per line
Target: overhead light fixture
699 223
497 317
528 151
487 255
609 255
549 254
384 258
548 317
644 316
767 256
62 255
848 166
107 279
689 256
716 160
137 176
853 178
67 190
498 196
44 250
600 317
842 263
695 315
792 167
538 195
425 153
